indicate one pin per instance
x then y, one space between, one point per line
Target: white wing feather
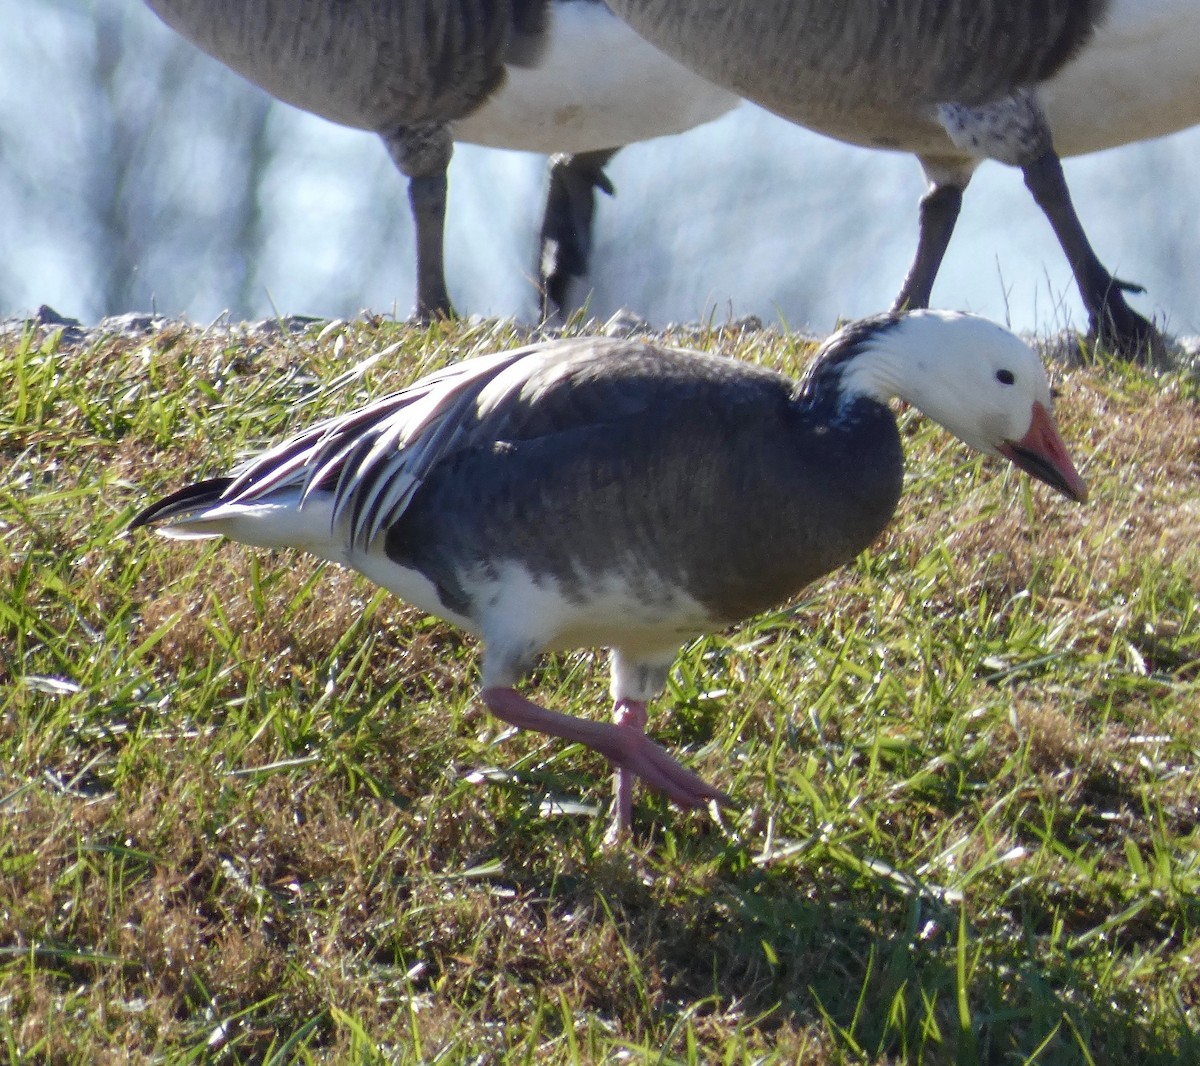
374 459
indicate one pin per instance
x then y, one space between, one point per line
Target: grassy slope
241 818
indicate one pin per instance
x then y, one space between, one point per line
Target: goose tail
184 507
279 519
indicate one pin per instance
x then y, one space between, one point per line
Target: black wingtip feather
192 498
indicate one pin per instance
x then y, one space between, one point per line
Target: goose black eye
1005 377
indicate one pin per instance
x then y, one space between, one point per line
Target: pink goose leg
629 715
623 744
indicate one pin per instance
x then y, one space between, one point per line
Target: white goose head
977 379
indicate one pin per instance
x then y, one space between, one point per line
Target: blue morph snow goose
954 82
550 497
551 76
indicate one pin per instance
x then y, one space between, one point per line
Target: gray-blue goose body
666 470
623 494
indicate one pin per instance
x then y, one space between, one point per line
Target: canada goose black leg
1112 320
427 196
423 153
938 215
565 243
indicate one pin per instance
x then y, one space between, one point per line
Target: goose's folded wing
373 459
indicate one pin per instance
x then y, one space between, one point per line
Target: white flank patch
409 585
521 615
1138 78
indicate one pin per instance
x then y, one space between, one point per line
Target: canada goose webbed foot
1111 320
1129 286
1121 330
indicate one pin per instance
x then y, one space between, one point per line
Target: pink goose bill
1042 454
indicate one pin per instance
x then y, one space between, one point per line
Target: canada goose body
953 81
617 493
869 71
